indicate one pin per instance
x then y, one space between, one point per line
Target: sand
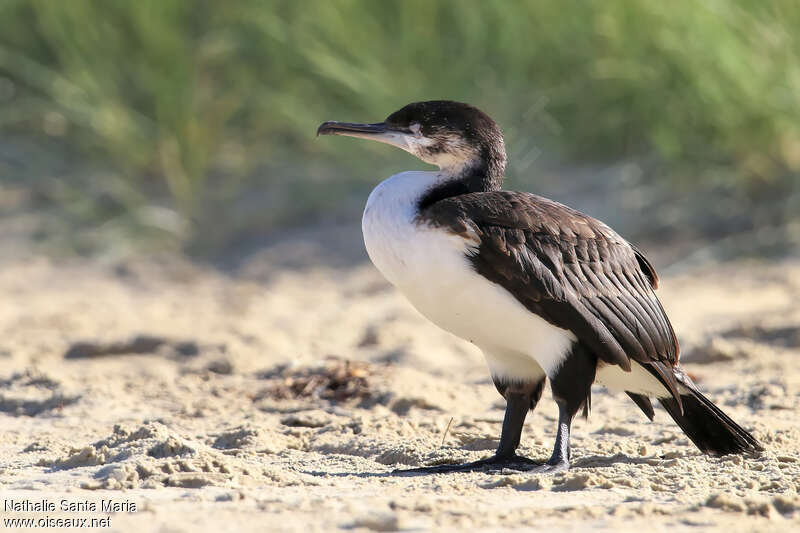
269 397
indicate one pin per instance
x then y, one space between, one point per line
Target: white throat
389 222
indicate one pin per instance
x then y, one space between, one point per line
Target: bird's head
456 137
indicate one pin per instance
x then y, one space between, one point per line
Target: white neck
392 227
404 190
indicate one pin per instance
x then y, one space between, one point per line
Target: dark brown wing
570 269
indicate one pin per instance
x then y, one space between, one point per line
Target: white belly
638 380
430 267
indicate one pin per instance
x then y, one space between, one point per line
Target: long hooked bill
376 132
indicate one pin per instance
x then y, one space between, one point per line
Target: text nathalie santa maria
68 506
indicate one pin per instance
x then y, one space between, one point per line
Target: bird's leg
559 461
519 400
517 405
571 389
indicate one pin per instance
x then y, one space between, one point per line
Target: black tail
707 426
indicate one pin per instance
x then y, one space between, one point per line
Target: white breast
430 267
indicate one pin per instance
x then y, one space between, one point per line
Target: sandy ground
223 400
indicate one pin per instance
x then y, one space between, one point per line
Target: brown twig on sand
445 432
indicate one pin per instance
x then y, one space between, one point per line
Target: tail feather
644 404
707 426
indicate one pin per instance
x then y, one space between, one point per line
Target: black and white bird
543 290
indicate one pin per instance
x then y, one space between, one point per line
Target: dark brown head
458 138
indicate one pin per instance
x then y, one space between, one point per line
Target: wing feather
570 269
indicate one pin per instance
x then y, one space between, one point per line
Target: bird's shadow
397 472
364 475
589 461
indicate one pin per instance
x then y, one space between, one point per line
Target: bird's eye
416 129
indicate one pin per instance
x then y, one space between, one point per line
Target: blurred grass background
165 123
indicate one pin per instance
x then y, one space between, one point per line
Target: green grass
187 106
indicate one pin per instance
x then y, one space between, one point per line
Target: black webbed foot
550 468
